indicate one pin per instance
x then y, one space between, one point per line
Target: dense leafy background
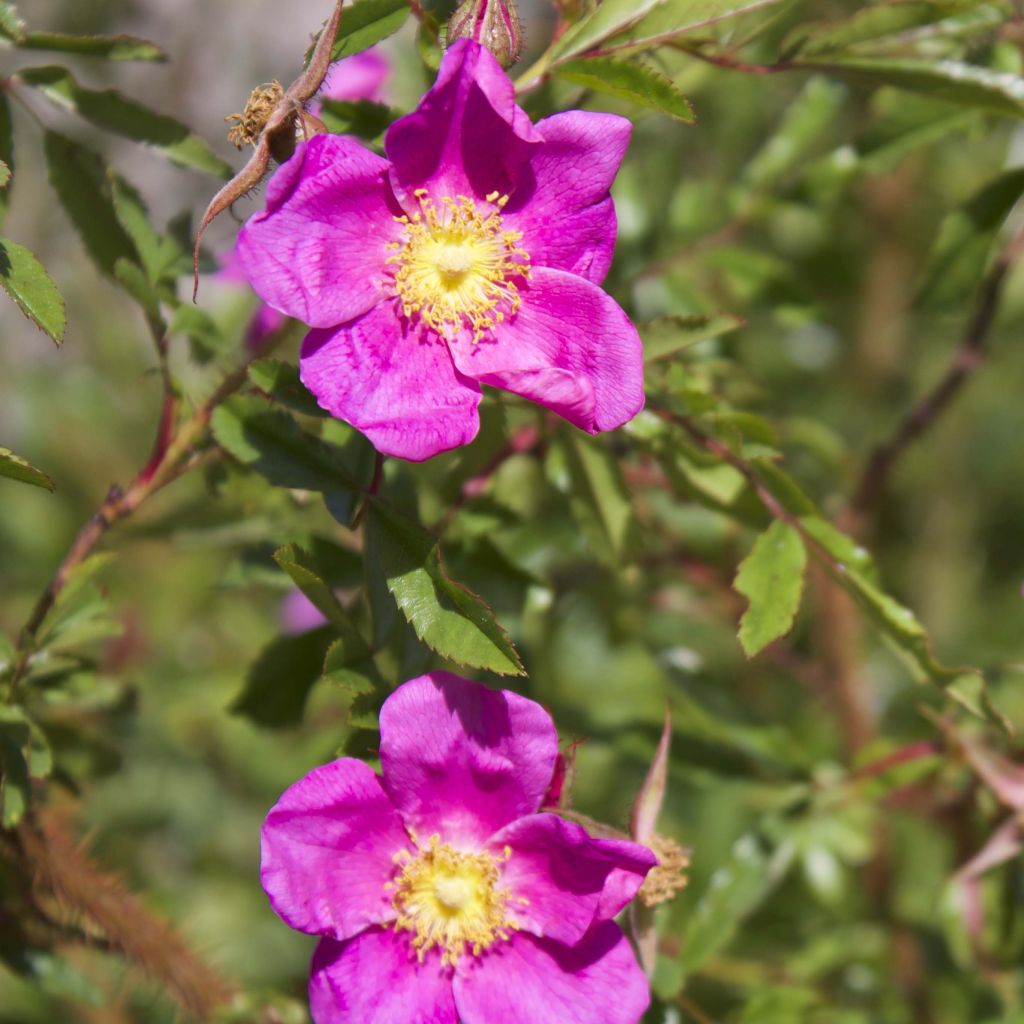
803 260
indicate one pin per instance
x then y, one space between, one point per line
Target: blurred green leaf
207 339
953 81
12 26
280 381
14 467
6 153
15 788
671 19
278 683
113 112
600 499
365 23
867 25
362 118
447 617
771 578
26 281
630 80
644 19
157 254
805 123
119 47
964 244
272 443
668 335
733 893
5 174
82 183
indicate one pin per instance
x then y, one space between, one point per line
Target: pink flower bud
494 24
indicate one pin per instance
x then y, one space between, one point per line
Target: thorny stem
967 358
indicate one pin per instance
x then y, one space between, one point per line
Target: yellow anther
456 267
451 901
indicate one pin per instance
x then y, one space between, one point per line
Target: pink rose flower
441 893
473 255
359 77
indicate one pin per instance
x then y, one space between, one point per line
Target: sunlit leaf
14 467
113 112
33 291
119 47
771 578
447 617
630 80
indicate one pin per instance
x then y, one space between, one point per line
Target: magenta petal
398 386
460 760
562 873
359 77
597 981
318 252
375 979
570 348
467 136
327 849
562 204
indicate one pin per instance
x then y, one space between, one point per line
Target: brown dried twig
269 123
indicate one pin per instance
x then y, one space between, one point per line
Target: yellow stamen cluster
451 901
455 266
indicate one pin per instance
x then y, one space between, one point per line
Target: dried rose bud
494 24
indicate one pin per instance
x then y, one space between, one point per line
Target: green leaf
280 381
6 151
15 789
771 578
80 178
600 499
668 335
630 80
27 283
207 339
362 118
961 252
119 47
949 80
866 25
113 112
16 468
273 444
278 683
642 20
155 253
733 893
5 174
365 23
447 617
311 579
11 25
806 121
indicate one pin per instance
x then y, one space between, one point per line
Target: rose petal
327 848
398 386
561 204
359 77
318 252
561 873
460 760
375 979
570 347
467 136
597 981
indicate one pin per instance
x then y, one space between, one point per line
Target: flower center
451 901
456 266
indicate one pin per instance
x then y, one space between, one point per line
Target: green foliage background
803 262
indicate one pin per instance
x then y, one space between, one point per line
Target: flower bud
494 24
